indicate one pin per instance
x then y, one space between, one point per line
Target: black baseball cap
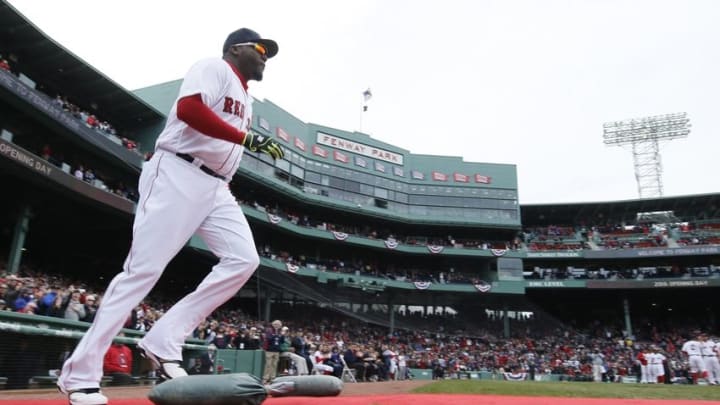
247 35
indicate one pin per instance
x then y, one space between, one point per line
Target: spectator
46 152
274 338
45 302
58 307
202 364
118 363
89 176
221 340
4 64
242 340
14 285
91 307
355 362
302 348
23 298
254 338
288 350
30 308
321 357
335 362
75 309
80 173
91 121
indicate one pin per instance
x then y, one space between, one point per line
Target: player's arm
201 118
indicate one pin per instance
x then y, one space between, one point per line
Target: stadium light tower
644 136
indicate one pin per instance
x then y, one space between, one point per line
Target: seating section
702 233
554 238
630 236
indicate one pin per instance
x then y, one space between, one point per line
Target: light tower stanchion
644 136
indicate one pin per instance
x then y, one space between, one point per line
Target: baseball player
598 360
710 351
642 358
697 366
183 190
656 371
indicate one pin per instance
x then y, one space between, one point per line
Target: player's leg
165 219
643 374
227 234
703 373
660 374
694 369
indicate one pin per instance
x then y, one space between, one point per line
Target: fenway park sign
359 148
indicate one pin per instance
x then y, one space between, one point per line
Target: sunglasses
260 48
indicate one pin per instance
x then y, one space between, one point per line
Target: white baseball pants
713 368
697 364
643 374
177 200
654 372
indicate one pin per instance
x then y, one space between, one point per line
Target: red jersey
642 359
118 359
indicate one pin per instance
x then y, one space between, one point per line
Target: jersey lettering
234 107
227 107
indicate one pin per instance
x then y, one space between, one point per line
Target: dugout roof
57 70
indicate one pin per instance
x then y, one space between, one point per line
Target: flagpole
366 95
362 113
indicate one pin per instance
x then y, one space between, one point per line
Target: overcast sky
528 83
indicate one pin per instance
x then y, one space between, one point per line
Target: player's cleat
88 396
165 369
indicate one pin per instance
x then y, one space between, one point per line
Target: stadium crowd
87 174
89 119
371 232
448 345
547 238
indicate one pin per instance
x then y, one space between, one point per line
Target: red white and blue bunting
483 286
498 252
515 376
292 268
391 244
422 285
340 235
274 219
435 249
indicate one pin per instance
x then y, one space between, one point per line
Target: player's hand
262 143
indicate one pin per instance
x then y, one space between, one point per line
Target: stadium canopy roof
685 208
57 70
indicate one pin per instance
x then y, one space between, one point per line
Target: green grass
572 389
